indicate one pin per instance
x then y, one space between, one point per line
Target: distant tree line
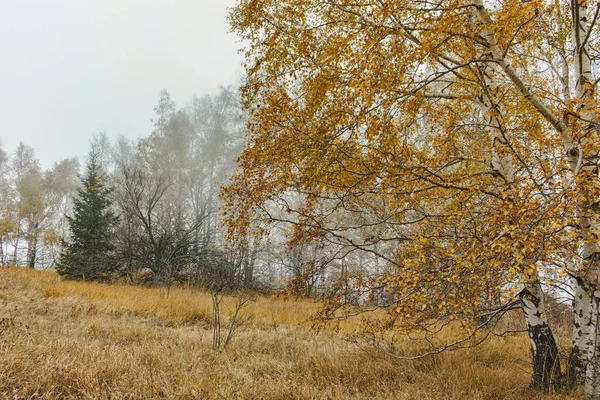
148 210
33 205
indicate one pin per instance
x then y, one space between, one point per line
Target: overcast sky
71 68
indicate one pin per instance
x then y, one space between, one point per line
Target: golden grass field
73 340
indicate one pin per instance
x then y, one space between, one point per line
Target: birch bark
581 341
544 351
576 143
586 179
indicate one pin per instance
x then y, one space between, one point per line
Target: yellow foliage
426 134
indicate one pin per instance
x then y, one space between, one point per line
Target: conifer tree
88 254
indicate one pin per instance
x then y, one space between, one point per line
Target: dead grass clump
53 292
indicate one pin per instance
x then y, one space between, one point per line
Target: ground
70 340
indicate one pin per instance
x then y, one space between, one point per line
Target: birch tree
7 226
26 173
461 136
61 184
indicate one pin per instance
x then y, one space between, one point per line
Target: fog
135 101
72 68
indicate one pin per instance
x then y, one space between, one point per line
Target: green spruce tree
88 255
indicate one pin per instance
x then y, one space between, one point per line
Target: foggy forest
395 199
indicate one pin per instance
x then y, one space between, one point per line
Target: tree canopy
456 141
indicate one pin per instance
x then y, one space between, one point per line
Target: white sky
71 68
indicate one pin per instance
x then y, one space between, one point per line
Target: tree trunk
249 262
587 306
544 352
581 342
2 261
592 375
584 167
32 247
15 251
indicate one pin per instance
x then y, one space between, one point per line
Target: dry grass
70 340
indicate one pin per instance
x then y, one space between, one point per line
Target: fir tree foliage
88 255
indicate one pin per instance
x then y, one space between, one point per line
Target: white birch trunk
576 141
544 352
588 278
582 342
592 375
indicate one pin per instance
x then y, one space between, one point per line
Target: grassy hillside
80 340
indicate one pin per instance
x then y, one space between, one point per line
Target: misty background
137 100
74 68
